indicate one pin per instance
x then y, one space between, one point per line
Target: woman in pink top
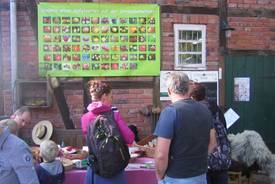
101 96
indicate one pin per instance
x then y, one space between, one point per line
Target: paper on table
146 165
230 117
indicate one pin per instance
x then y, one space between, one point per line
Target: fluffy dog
248 147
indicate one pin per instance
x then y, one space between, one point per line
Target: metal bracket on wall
60 98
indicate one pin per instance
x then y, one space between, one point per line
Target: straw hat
42 131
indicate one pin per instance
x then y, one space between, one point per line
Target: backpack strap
111 114
114 109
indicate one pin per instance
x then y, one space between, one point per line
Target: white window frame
190 27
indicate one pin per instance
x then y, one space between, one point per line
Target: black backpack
109 154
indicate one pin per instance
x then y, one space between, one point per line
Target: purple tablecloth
133 175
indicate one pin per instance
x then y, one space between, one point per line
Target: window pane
195 35
182 47
199 58
195 59
195 47
199 47
199 35
189 47
188 35
184 35
190 59
180 35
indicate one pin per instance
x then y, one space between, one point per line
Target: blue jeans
193 180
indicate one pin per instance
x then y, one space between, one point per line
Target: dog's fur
248 147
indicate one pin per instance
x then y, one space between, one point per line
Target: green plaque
98 39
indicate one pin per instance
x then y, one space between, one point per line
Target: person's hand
161 181
159 178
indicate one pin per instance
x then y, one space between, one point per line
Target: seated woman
50 171
101 97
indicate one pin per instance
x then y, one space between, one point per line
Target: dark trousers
217 177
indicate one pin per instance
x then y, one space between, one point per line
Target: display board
98 39
208 78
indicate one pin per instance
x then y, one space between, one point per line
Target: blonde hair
48 150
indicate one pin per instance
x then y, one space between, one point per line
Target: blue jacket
51 172
16 163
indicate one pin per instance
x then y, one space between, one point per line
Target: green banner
98 39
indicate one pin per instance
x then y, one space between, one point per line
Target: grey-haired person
51 170
16 162
183 136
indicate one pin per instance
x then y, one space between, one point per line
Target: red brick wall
198 3
27 48
129 101
5 59
255 4
194 3
252 33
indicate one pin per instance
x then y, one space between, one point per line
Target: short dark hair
198 91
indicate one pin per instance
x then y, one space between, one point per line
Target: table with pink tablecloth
134 174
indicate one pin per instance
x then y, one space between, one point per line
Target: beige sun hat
42 131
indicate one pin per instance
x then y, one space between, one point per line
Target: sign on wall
242 89
208 78
98 39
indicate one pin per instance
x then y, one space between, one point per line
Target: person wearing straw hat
43 130
51 170
16 162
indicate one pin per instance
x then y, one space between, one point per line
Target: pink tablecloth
133 175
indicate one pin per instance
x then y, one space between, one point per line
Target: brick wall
193 3
27 48
252 33
131 101
5 59
198 3
255 4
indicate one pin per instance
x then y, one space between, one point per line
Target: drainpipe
13 51
1 71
